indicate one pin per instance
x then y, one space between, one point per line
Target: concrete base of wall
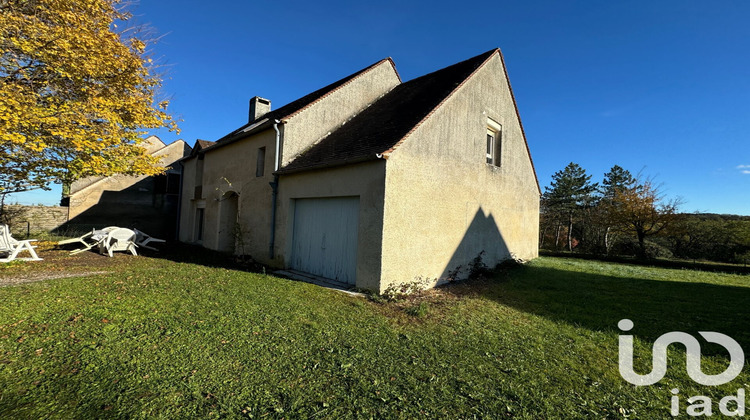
320 281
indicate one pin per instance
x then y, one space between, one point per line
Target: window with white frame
494 143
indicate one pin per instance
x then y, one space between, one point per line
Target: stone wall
34 219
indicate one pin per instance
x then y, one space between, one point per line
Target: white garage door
325 237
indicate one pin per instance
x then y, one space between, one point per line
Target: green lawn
163 338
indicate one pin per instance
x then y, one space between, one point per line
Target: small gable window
260 166
494 143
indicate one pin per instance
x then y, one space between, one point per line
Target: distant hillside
709 236
715 216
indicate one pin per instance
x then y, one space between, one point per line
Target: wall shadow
598 301
181 252
148 205
482 238
482 244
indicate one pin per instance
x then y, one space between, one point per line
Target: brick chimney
258 107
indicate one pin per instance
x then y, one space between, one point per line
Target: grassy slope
169 339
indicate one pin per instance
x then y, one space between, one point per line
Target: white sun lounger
88 240
10 247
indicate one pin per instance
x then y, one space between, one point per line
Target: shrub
629 247
397 291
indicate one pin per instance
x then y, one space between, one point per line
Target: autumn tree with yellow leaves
76 93
642 211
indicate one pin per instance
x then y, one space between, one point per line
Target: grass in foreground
159 338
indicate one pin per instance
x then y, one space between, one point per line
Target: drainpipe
278 142
274 190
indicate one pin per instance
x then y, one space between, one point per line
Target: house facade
148 203
372 181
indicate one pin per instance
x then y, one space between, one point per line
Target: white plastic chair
143 239
11 247
118 239
89 240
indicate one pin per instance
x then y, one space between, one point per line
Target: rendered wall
235 163
187 201
125 200
232 168
229 169
365 180
152 144
444 205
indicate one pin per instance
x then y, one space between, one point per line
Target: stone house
372 181
148 203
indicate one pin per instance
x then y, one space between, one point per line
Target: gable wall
313 123
126 200
151 144
444 204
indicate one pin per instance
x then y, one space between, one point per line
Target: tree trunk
582 238
606 240
570 231
557 237
543 234
2 208
641 245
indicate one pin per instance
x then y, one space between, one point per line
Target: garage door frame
325 237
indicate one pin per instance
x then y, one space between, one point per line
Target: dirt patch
58 264
14 281
434 304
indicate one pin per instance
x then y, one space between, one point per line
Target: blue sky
658 87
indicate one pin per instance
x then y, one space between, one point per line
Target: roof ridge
351 78
487 53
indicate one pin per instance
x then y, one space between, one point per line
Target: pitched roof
204 143
198 147
265 121
380 127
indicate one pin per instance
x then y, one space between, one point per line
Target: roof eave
327 165
261 126
520 123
